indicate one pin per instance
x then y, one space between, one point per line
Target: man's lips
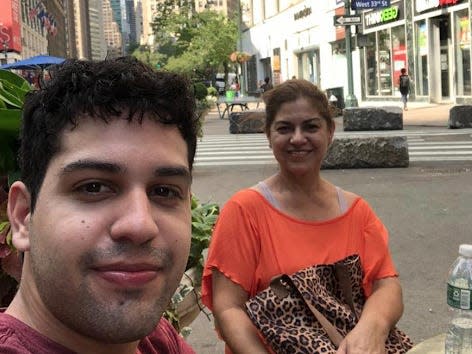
128 274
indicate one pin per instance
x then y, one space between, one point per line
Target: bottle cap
465 250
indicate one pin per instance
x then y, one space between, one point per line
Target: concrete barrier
368 152
244 122
460 117
373 118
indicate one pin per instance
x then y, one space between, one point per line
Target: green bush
211 91
200 91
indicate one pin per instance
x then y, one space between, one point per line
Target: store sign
423 5
10 27
369 4
380 17
302 13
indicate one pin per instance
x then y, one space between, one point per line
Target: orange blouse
253 241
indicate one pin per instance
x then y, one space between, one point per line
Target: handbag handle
279 286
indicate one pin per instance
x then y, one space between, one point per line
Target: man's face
110 234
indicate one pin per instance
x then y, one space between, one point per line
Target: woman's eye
312 127
283 130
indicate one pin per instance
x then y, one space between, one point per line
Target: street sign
347 20
369 4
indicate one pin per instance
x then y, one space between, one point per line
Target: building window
421 36
371 65
385 63
462 49
399 54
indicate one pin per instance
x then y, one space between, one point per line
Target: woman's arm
381 312
231 319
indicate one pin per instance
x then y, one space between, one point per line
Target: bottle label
459 298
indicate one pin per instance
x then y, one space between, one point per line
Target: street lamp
351 100
242 82
5 49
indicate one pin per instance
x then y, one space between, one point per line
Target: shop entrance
441 58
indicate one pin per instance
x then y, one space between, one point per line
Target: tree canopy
197 44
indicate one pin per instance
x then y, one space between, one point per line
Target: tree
197 44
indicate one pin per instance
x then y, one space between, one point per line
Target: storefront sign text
423 5
378 17
302 13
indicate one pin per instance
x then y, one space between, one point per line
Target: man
102 211
404 85
266 86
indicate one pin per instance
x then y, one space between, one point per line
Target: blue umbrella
37 62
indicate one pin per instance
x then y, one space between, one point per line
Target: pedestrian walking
404 85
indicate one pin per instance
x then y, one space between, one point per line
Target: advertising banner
10 27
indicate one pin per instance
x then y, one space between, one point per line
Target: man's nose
135 219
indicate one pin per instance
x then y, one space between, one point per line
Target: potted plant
185 304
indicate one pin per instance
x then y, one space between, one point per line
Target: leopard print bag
312 310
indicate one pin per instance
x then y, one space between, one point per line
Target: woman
295 219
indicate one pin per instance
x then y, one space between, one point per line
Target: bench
373 118
460 117
247 122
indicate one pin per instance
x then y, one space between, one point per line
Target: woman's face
299 137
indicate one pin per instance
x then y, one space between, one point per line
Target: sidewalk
419 114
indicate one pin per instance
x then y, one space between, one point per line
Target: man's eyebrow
91 165
161 171
171 171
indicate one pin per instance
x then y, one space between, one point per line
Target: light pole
240 49
5 49
351 100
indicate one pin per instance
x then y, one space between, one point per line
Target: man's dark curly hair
105 90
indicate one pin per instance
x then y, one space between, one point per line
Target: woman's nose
298 137
135 220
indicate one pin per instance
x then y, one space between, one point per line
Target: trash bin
230 94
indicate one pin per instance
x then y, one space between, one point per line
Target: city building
53 19
430 38
11 44
112 32
34 39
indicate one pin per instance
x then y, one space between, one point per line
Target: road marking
238 150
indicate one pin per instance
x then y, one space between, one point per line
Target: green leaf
10 121
9 98
15 79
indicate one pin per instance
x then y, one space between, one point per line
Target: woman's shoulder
248 197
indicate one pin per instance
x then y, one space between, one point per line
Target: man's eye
166 192
94 188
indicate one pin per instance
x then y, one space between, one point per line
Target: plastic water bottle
459 298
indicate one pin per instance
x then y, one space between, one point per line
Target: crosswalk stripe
253 149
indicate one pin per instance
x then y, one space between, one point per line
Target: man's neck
31 311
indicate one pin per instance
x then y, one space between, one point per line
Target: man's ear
19 213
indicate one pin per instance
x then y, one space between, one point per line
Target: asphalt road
426 207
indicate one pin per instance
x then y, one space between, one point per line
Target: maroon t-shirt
18 338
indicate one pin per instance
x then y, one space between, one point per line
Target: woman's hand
381 312
231 320
363 340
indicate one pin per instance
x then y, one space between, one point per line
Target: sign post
351 100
